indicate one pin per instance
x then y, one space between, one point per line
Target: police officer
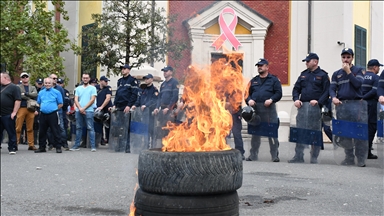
168 97
264 88
346 85
369 88
311 86
103 102
126 95
38 85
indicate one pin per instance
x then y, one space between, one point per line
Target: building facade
281 31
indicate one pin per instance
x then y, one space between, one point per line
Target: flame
209 96
132 208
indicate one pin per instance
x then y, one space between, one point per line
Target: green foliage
128 32
30 40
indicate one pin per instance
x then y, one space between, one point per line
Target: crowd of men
92 100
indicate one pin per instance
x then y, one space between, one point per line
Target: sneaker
296 160
93 150
12 153
50 148
74 149
66 149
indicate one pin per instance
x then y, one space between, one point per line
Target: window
92 69
360 46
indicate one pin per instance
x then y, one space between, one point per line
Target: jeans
9 125
82 121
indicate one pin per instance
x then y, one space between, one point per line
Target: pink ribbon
227 30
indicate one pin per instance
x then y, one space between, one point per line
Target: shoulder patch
110 89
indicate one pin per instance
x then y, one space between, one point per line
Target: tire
148 204
190 173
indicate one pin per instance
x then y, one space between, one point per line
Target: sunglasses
24 77
55 78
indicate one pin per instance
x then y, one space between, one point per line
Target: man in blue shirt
85 96
50 101
369 88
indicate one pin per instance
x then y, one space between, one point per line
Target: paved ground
102 183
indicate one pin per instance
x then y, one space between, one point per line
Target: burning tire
149 204
190 173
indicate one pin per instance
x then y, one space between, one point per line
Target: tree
128 32
30 40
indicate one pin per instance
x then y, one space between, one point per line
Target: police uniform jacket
127 91
67 100
169 94
262 91
148 97
347 87
312 86
380 85
369 86
102 95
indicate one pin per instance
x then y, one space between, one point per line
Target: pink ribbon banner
227 30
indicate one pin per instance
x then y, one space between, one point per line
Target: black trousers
49 121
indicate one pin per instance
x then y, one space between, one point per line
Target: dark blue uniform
126 93
148 97
369 89
101 95
169 94
347 87
260 91
310 85
380 85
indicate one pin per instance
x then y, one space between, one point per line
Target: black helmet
326 115
71 117
98 115
249 115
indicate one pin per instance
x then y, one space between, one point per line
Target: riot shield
267 126
305 130
160 121
269 122
139 127
380 134
119 132
350 132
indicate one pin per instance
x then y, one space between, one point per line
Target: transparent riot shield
380 134
350 132
119 132
267 127
139 130
160 121
306 132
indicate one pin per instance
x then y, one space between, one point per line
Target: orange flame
132 208
209 96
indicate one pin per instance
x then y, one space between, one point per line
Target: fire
132 207
209 96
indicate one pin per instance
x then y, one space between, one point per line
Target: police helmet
71 117
326 115
98 115
250 116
